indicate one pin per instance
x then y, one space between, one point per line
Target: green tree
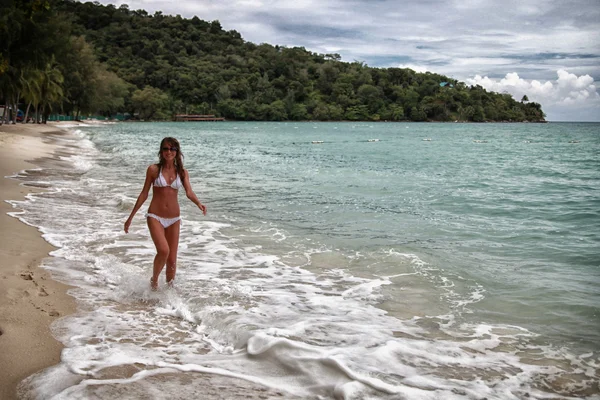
32 36
370 96
110 92
50 87
478 114
277 111
150 103
298 112
321 112
79 70
357 113
336 112
201 67
417 114
394 112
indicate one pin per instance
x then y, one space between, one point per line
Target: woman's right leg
157 232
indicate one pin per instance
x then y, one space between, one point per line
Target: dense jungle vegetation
85 58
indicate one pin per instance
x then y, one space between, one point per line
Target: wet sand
30 300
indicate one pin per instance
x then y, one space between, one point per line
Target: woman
167 177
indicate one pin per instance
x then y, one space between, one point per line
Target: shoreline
347 120
30 300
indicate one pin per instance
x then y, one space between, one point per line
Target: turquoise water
518 215
477 244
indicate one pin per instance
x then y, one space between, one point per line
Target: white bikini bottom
165 222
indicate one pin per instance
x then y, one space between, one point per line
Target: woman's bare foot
153 285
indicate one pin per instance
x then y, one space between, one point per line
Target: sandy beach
30 300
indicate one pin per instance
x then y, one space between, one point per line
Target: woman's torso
164 199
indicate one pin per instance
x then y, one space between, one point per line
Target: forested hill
155 66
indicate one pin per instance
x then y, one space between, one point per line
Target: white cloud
565 96
459 38
416 68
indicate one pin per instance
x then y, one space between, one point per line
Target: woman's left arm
190 193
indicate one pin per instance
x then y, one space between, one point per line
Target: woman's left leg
157 232
172 236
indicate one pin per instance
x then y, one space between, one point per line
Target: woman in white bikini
163 214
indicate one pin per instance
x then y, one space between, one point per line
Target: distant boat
573 141
373 140
427 140
479 141
317 142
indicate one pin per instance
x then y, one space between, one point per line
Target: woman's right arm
150 176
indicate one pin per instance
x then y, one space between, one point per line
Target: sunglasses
170 148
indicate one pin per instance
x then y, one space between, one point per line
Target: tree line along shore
77 59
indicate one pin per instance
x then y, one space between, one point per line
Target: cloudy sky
546 49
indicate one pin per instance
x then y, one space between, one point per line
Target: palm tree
29 37
9 89
51 91
31 89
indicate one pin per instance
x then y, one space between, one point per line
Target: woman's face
169 151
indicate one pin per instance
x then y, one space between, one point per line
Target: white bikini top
160 181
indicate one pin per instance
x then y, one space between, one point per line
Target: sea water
337 260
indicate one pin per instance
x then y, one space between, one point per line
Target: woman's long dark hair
171 142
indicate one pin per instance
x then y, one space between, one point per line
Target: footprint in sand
28 276
41 291
52 313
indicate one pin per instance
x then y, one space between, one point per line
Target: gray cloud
458 38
